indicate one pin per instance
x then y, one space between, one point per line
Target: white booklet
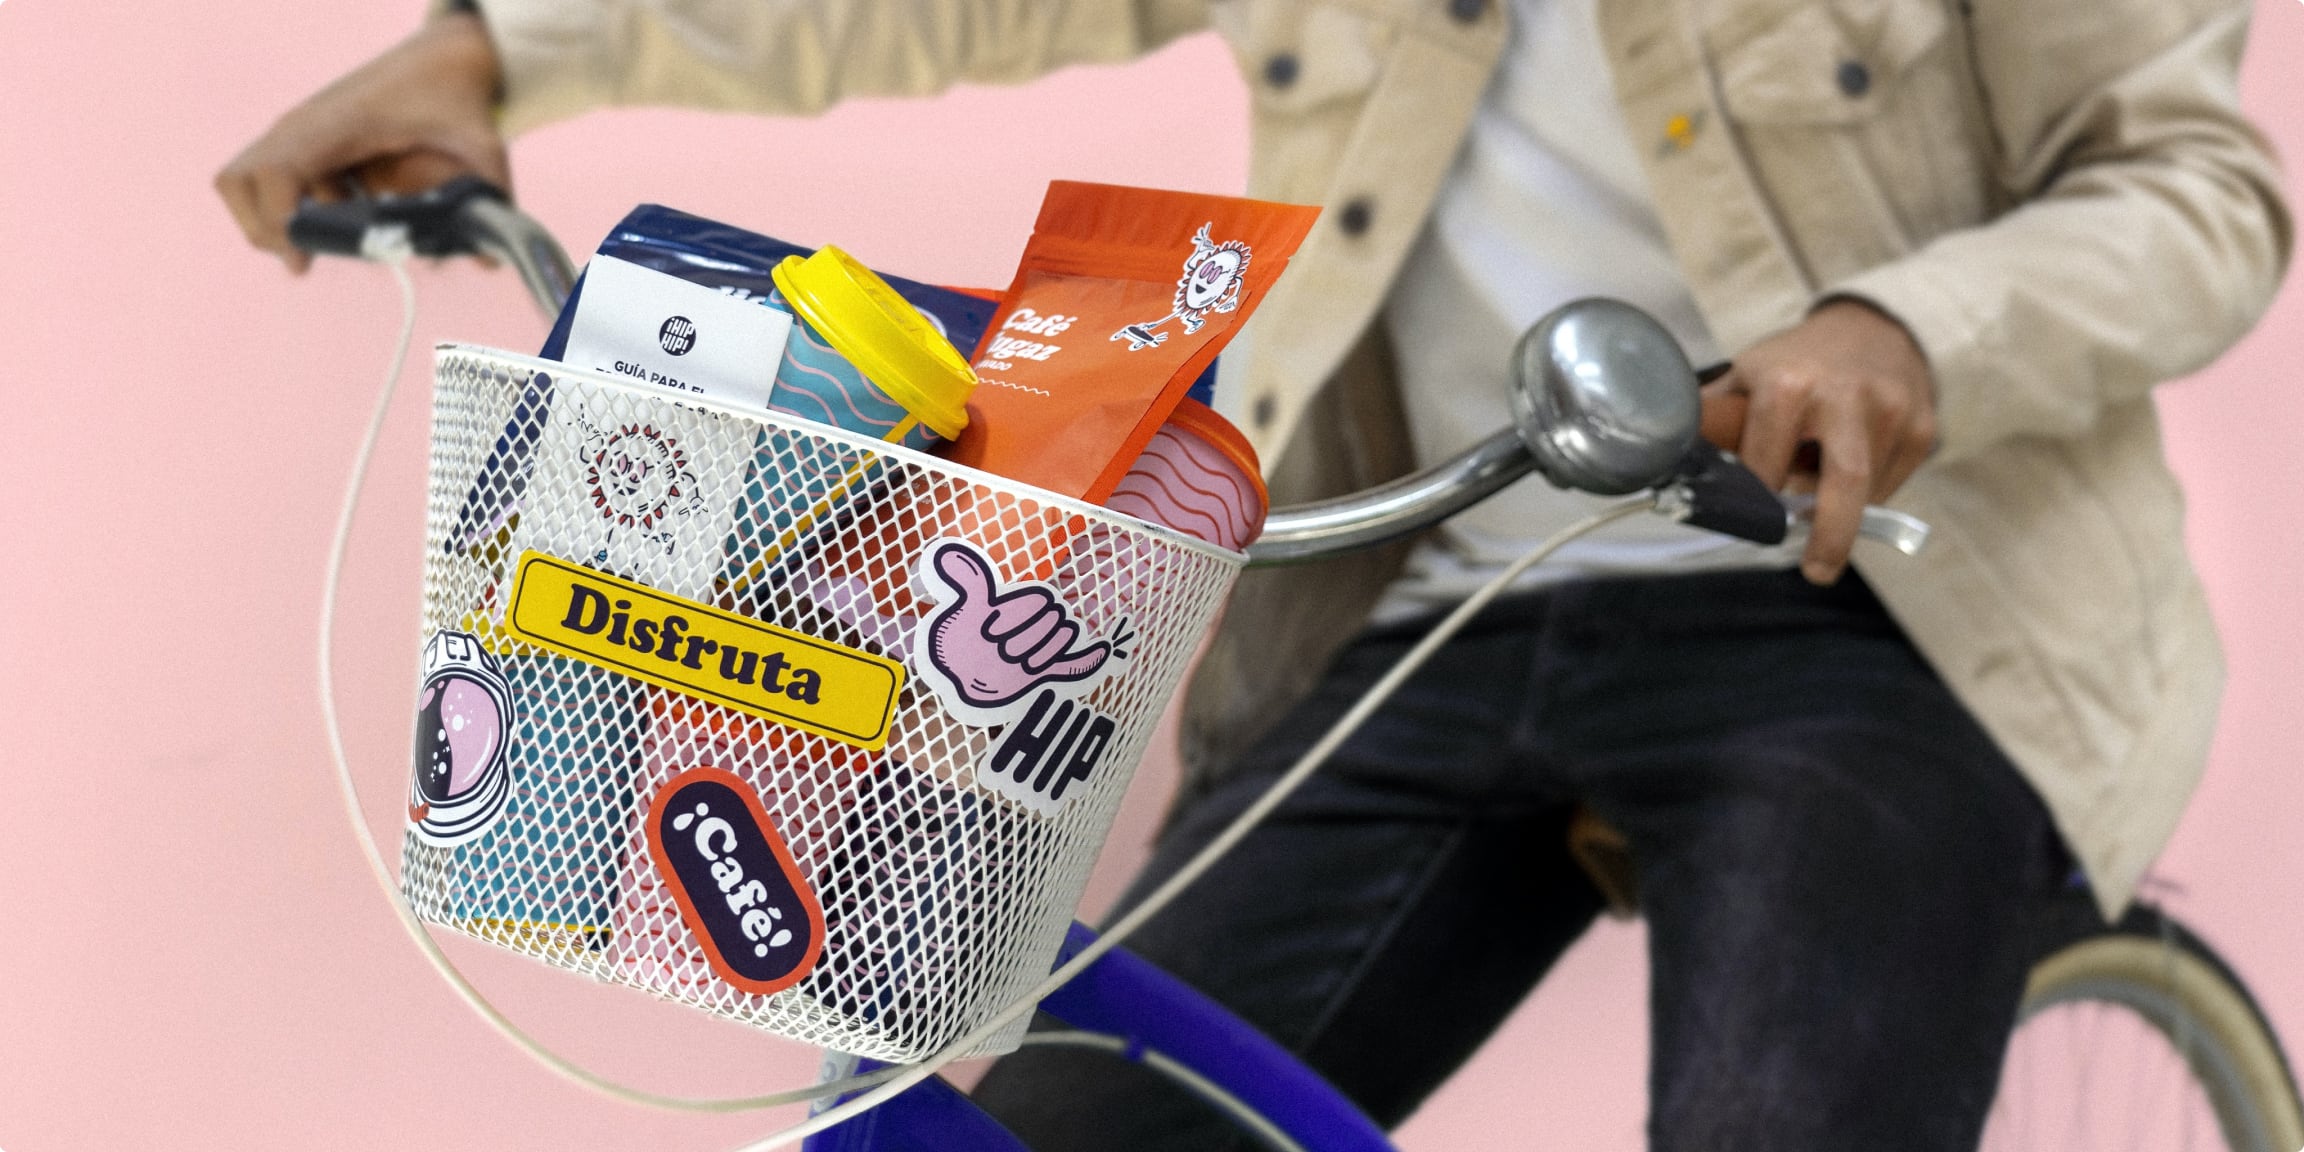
658 329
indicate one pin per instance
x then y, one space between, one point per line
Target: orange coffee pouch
1123 297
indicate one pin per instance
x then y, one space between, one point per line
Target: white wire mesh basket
810 731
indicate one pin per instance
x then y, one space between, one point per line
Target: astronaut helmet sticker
463 719
1213 276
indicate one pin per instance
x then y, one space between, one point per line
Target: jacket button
1466 11
1280 70
1855 79
1266 409
1356 216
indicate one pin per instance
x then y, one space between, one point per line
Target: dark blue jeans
1838 867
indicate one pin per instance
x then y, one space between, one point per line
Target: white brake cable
887 1083
394 256
1215 1095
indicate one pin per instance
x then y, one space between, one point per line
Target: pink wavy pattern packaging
1198 476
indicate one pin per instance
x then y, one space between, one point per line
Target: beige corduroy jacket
2059 198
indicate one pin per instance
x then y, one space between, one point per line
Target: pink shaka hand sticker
989 649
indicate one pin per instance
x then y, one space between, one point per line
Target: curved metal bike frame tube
515 237
1402 508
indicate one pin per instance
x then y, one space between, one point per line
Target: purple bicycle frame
1127 997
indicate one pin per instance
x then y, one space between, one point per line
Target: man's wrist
1835 299
1849 301
459 30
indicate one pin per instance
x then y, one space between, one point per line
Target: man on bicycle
1950 246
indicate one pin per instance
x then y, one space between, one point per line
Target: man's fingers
1840 406
1843 484
237 185
1896 466
1773 424
277 194
428 98
408 173
1885 413
1914 442
1724 411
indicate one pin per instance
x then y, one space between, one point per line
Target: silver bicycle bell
1604 398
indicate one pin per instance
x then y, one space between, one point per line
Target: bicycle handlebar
466 216
1603 399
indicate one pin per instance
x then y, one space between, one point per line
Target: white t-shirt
1547 202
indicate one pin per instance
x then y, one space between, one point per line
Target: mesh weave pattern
946 859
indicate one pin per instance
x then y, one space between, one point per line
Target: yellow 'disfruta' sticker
770 672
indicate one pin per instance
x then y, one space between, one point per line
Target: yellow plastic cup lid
882 334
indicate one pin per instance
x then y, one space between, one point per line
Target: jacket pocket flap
1828 63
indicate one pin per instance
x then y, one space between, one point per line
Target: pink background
195 957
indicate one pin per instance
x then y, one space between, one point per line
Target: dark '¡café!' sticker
735 881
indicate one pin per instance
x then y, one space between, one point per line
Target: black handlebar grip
331 229
435 220
1725 497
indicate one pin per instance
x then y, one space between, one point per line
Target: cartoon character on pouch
639 479
985 649
1213 276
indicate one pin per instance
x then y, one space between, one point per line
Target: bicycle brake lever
1715 491
1902 531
